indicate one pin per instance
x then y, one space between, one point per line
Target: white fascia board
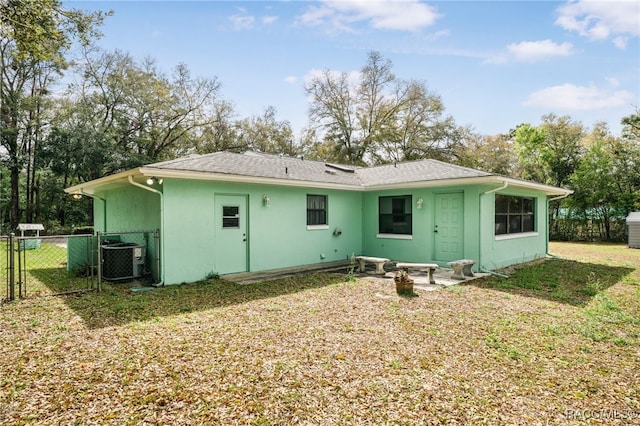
224 177
495 180
547 189
90 187
435 183
122 178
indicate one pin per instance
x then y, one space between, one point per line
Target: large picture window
394 215
316 210
514 215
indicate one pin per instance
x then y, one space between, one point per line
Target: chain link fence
38 266
129 256
54 265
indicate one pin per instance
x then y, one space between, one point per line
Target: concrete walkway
442 276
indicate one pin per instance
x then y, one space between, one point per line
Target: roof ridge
464 167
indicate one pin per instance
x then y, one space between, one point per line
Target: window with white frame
514 215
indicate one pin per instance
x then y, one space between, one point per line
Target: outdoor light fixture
76 195
152 180
419 203
266 201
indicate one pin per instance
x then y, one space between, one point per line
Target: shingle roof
289 168
261 166
415 171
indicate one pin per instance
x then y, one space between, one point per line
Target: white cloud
599 20
242 22
534 51
531 51
614 82
268 20
578 98
621 42
291 79
400 15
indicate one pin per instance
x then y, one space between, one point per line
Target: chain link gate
65 264
50 265
4 268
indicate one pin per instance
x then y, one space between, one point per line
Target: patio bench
462 268
428 267
378 261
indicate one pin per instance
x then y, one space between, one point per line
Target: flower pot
404 285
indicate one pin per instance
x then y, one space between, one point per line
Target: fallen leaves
319 350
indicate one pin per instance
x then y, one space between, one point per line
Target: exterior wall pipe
146 188
104 207
494 273
504 185
559 197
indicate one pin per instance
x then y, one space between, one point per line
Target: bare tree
376 117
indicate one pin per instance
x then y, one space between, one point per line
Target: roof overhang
140 174
121 179
481 180
105 183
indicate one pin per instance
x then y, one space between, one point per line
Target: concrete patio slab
442 278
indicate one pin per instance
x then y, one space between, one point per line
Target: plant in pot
404 283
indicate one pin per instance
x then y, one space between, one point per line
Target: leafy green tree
43 30
221 132
549 153
607 180
24 101
34 39
631 126
494 154
144 115
266 134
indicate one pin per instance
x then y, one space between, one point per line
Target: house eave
480 180
121 179
547 189
224 177
114 180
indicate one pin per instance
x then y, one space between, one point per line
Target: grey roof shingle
262 166
289 168
415 171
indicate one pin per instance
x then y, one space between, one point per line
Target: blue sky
495 64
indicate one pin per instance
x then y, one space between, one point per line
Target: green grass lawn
556 343
44 270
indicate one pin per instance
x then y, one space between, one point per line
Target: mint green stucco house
226 213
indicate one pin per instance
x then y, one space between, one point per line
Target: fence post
12 278
98 236
21 252
156 237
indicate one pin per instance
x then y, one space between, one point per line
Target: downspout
490 191
146 188
559 197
